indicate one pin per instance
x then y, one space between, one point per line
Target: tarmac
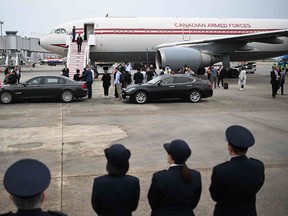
70 139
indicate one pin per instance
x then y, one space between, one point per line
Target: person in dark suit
275 80
235 183
116 193
175 191
77 76
79 41
26 180
138 77
73 33
88 78
106 81
65 71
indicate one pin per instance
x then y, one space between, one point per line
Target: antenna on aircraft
107 15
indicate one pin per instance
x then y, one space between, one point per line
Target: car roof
178 75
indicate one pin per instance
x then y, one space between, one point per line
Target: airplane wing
263 37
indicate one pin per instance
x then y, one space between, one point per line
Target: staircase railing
86 55
68 43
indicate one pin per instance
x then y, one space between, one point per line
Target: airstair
77 60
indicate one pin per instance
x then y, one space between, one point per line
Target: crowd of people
122 75
12 76
173 191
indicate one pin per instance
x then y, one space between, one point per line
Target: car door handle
171 86
189 85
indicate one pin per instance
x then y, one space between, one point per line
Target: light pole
1 23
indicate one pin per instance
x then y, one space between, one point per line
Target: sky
35 18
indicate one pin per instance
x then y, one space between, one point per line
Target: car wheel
67 96
6 97
194 96
141 97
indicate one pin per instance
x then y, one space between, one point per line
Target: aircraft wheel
67 96
6 97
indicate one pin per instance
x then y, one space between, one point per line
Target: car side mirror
160 83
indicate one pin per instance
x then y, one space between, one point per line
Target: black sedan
169 86
44 87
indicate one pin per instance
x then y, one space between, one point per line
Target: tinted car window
34 81
50 80
167 80
61 81
182 79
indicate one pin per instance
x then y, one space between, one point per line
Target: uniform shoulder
195 172
56 213
160 172
132 177
102 178
221 164
7 214
256 160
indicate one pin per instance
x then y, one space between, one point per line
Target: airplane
196 42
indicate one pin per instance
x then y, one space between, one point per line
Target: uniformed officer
116 193
26 180
234 184
175 191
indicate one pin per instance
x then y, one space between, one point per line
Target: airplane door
88 30
186 34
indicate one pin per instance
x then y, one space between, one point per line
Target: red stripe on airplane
178 31
139 31
60 45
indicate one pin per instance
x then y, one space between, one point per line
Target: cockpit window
63 31
53 31
58 31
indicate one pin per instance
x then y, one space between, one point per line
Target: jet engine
177 57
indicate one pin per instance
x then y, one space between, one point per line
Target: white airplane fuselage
135 39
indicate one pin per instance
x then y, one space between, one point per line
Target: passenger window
51 80
168 80
61 81
182 80
34 81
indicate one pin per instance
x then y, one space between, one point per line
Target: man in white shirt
117 83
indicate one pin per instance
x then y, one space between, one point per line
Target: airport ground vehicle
44 88
169 86
283 62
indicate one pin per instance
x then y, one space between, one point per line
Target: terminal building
17 50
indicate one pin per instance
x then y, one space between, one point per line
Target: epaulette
7 214
56 213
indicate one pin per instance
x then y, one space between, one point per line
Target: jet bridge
16 50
